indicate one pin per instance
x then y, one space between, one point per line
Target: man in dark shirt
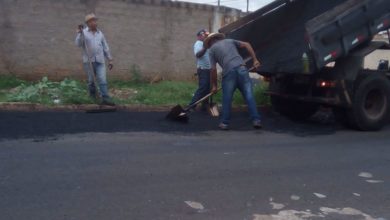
234 76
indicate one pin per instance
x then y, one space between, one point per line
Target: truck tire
371 102
294 109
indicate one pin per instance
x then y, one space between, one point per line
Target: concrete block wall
156 36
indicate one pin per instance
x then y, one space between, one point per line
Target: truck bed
353 24
283 30
277 32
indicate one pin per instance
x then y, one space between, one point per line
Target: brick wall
155 36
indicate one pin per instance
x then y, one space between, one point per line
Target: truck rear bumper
334 101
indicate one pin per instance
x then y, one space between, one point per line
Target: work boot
107 101
257 124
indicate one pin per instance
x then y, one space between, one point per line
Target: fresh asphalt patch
43 125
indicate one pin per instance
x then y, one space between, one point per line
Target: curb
31 107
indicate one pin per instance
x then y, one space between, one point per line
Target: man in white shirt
95 51
203 67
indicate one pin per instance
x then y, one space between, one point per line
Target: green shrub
46 92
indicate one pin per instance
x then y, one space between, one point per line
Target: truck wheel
371 101
293 109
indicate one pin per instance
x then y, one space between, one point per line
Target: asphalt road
139 166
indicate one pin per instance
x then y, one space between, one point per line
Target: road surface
139 166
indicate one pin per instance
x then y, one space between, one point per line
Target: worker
235 75
95 50
203 68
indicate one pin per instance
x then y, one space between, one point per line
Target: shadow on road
48 124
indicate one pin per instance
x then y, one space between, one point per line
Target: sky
240 4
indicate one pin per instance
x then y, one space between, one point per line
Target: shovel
178 113
213 108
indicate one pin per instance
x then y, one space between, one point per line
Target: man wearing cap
203 68
234 76
95 51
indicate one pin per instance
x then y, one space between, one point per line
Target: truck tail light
326 84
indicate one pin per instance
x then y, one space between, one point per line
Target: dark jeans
204 86
237 78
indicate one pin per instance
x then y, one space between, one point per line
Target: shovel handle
209 95
251 69
201 100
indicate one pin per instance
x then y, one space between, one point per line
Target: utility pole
247 6
219 3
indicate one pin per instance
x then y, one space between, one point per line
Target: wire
242 4
221 1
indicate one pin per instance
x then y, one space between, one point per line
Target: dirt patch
123 93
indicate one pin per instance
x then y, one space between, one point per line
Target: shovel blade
177 113
213 110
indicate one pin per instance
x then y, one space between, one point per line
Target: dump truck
313 53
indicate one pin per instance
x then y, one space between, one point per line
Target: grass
162 93
70 91
9 81
3 96
174 92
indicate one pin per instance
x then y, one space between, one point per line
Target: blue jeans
99 70
237 78
204 86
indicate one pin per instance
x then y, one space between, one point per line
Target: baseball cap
203 31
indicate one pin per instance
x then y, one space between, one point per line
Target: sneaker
223 126
108 102
257 124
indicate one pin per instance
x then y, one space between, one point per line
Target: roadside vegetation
70 91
